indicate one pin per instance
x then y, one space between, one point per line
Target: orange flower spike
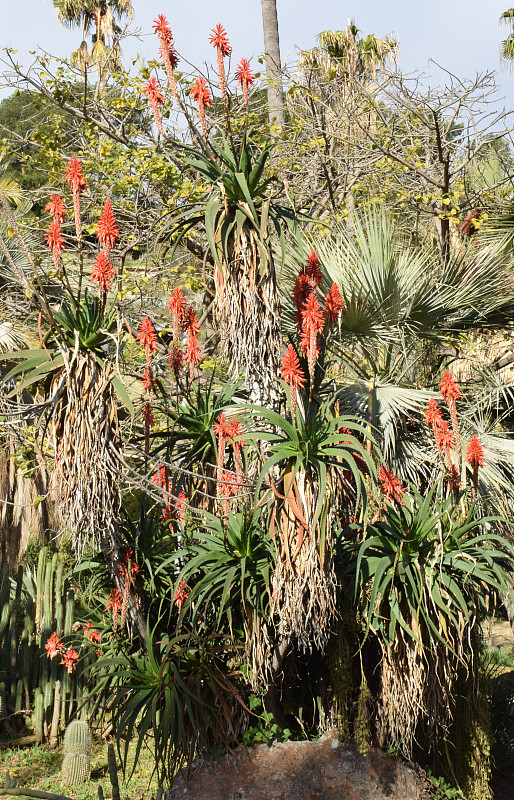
220 41
391 486
77 183
313 269
181 595
166 51
102 273
55 241
114 604
56 207
313 322
155 98
70 660
91 633
223 430
237 430
192 354
475 457
292 374
107 230
190 323
147 381
434 417
147 337
162 29
450 393
246 78
333 304
201 96
177 307
445 442
54 646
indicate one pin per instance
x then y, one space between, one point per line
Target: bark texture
273 64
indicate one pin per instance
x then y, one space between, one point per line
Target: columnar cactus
76 765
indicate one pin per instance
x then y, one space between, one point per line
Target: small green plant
264 730
445 791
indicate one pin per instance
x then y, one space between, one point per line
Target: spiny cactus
76 769
76 766
77 738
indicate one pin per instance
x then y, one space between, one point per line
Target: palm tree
348 55
100 14
507 45
272 50
402 312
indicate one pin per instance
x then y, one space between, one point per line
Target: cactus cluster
76 765
34 605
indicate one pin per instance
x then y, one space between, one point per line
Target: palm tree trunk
273 65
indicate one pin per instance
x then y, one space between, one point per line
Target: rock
326 769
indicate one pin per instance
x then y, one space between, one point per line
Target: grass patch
38 767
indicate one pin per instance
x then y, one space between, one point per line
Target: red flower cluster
390 486
200 94
220 41
155 98
475 452
166 50
70 660
475 457
333 304
77 183
56 207
292 374
245 77
147 337
114 604
186 317
54 647
313 269
181 595
55 241
107 230
91 634
102 273
313 322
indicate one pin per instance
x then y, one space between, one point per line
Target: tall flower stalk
220 41
77 184
155 98
167 52
245 78
201 96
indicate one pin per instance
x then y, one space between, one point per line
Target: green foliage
313 444
263 730
180 691
190 437
228 568
241 201
429 563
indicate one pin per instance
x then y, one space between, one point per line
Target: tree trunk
273 65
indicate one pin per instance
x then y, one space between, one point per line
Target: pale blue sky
462 35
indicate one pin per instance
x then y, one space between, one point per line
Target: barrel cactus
76 765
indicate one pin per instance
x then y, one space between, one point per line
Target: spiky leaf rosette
239 217
321 462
